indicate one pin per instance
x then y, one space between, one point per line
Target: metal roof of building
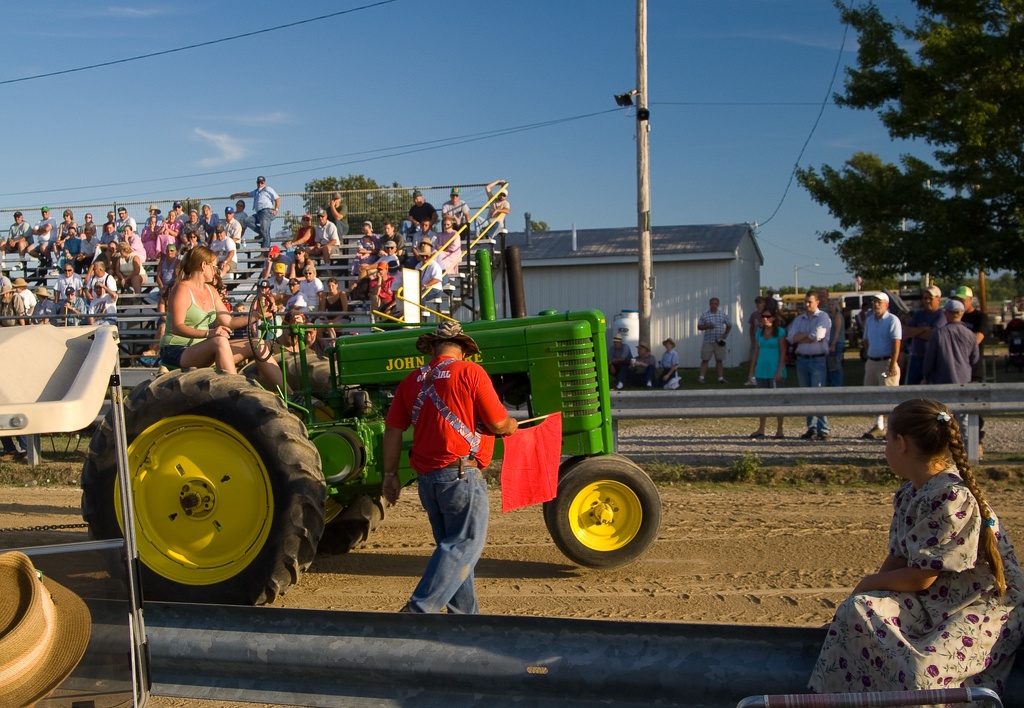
612 244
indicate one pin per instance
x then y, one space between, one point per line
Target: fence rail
357 205
844 400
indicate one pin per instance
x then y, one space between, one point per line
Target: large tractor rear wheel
606 514
227 489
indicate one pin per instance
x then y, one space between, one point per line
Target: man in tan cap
22 291
45 307
44 630
455 413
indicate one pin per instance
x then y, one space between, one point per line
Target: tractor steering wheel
257 328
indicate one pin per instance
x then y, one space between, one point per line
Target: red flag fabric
529 470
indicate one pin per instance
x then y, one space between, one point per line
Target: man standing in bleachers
265 204
336 214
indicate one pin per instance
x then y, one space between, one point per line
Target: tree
962 93
538 225
361 199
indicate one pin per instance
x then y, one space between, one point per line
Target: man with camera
716 327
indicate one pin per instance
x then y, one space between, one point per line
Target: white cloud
124 11
788 38
229 149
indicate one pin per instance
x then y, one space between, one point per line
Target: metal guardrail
844 400
334 658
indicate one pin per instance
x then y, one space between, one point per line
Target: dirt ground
725 554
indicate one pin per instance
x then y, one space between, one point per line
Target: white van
855 302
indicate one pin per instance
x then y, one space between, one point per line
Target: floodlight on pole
625 99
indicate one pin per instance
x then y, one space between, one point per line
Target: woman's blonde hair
195 259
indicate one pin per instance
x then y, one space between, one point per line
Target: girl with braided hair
944 609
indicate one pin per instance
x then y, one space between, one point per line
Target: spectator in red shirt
447 401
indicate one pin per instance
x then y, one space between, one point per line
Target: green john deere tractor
235 488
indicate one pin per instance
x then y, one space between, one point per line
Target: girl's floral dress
955 633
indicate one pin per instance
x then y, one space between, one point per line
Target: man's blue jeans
457 510
642 377
260 223
812 373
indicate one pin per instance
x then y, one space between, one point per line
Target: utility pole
643 176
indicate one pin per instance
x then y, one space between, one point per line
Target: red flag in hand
529 471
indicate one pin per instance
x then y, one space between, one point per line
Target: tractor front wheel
226 486
606 514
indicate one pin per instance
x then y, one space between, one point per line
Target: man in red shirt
455 413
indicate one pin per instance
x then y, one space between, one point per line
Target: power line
738 103
825 102
208 43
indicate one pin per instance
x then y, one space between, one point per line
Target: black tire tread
279 437
584 471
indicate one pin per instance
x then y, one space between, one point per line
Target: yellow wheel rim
605 515
203 500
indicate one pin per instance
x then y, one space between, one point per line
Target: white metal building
597 269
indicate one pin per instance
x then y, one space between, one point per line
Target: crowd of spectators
91 264
937 343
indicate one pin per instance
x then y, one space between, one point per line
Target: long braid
987 543
935 433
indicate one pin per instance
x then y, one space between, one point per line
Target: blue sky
408 71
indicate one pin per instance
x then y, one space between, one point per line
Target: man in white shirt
43 238
227 254
21 290
311 286
456 208
100 276
295 300
810 333
69 279
124 220
102 303
328 242
430 277
232 227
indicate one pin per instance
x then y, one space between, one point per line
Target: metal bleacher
137 317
